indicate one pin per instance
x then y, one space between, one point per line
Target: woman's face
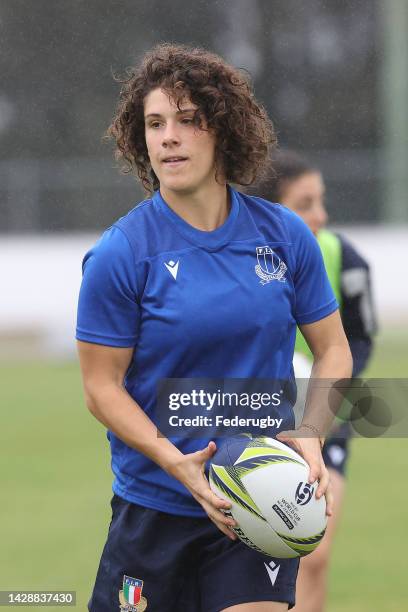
305 196
181 154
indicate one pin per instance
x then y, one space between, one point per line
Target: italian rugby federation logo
269 267
130 598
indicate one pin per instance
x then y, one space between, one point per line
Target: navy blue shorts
186 565
336 449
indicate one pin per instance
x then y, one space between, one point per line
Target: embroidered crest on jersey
130 598
270 266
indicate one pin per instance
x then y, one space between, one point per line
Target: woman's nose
170 134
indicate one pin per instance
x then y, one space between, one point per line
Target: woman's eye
187 120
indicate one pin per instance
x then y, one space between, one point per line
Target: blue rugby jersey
197 304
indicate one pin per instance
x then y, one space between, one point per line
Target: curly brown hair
224 99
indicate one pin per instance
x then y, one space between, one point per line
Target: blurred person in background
171 290
299 185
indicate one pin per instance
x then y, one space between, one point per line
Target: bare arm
332 361
103 371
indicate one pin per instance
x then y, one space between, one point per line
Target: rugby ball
266 483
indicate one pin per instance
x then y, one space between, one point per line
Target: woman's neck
204 209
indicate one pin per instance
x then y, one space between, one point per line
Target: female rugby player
174 290
299 185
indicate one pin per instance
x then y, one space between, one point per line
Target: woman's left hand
309 449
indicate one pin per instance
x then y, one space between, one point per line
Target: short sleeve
108 310
315 298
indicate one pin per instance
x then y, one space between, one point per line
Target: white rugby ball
266 483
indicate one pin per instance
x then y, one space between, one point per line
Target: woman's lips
174 163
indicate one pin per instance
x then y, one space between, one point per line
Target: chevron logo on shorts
273 569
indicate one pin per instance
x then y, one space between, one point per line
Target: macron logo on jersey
172 268
272 569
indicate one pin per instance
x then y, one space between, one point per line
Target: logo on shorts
304 493
273 570
336 454
130 598
270 266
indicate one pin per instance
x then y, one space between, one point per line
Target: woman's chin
177 186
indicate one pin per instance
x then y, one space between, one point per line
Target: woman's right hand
190 471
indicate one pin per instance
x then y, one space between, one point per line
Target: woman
171 291
299 185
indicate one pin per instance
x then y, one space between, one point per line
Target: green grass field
56 488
